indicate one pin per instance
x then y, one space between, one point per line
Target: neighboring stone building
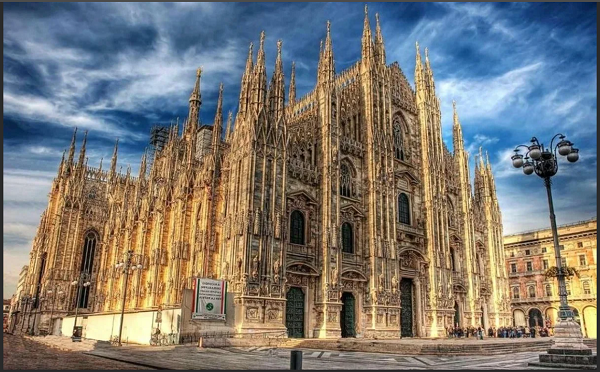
534 298
340 213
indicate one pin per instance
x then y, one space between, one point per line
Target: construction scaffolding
158 138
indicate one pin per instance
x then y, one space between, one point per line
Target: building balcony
526 273
580 297
409 229
301 250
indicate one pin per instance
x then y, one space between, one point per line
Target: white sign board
209 299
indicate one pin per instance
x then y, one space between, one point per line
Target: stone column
418 307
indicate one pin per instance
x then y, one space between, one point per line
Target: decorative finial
221 89
377 17
454 105
366 10
199 72
262 38
426 53
328 27
279 43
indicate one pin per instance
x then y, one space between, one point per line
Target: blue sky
516 70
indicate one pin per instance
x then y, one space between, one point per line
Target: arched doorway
589 320
456 314
519 318
294 313
406 308
535 318
348 315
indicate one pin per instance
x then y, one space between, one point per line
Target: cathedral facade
337 214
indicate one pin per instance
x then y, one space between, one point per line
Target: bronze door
347 316
406 310
294 313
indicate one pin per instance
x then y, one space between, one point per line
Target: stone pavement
24 353
191 357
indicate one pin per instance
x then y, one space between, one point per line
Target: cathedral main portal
294 313
406 304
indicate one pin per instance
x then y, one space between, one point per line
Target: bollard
296 360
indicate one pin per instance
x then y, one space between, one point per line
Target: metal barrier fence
194 337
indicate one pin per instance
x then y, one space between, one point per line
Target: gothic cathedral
338 214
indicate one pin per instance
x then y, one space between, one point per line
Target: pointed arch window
398 141
403 209
297 228
345 181
347 238
87 264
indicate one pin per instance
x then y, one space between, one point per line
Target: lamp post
544 162
125 266
84 280
24 308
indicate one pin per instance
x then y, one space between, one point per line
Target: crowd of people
501 332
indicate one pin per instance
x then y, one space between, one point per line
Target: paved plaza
61 353
23 353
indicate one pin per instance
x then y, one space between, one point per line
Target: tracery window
297 228
347 238
87 263
345 181
403 209
398 142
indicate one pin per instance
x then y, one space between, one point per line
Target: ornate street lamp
544 162
84 280
126 265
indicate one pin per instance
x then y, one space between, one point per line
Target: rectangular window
545 264
563 261
515 292
561 247
529 266
582 260
587 288
527 252
568 287
544 249
579 244
548 290
513 268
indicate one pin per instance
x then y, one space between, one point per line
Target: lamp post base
568 348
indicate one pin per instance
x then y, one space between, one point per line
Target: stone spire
419 83
218 125
292 96
246 84
72 149
379 45
429 74
457 135
195 102
229 124
61 167
277 87
367 39
82 151
113 161
143 165
327 67
259 80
